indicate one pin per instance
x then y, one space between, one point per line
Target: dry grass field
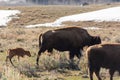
55 67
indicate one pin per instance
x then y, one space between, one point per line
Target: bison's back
66 38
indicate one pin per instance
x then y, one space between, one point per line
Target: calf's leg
11 61
7 59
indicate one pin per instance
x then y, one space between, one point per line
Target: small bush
20 40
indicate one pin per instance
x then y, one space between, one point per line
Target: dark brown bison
20 52
106 56
71 39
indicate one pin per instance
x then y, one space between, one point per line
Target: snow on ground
12 1
4 0
7 15
92 28
109 14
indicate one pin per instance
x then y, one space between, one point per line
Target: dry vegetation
55 67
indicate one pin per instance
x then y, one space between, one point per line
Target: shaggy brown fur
20 52
71 39
106 56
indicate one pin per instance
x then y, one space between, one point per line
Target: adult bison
71 39
106 56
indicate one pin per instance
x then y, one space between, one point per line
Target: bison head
95 40
28 53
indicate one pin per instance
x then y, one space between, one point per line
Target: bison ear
97 39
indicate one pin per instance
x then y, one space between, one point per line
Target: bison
20 52
71 39
103 56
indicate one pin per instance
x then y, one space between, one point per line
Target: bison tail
40 39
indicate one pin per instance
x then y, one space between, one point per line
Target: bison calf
106 56
20 52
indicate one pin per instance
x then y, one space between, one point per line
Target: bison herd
73 39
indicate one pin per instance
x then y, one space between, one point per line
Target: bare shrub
49 62
11 74
58 60
117 39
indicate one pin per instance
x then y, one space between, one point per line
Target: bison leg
78 54
18 58
42 49
73 53
111 73
7 59
50 51
37 60
91 73
11 61
97 70
71 56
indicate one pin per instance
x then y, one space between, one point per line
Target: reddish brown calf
20 52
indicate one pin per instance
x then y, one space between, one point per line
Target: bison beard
71 39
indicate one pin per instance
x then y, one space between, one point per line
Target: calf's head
28 53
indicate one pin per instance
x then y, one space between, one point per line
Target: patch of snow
7 15
109 14
5 0
44 25
92 28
